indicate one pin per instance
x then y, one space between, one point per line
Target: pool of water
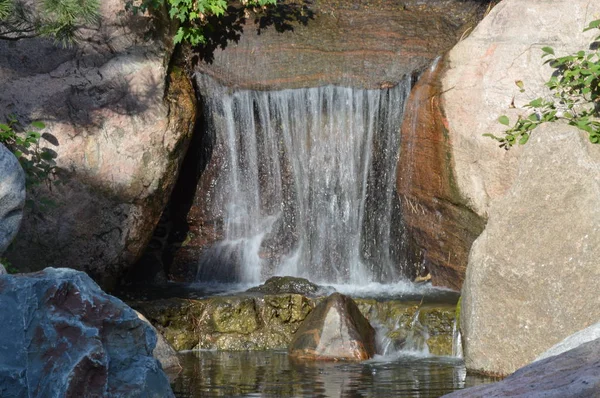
275 374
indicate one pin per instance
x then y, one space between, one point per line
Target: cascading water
307 185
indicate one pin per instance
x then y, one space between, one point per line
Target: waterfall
307 185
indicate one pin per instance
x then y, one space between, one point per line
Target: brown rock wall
438 221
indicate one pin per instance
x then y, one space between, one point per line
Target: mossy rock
289 284
233 315
440 344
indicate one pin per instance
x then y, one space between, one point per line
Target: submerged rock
12 197
63 336
574 373
289 285
334 330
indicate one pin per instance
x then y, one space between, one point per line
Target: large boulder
536 260
118 124
12 197
63 336
476 85
334 330
574 373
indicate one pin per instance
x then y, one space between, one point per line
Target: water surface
274 374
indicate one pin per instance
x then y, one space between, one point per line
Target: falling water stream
307 186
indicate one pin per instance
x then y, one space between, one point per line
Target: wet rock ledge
258 321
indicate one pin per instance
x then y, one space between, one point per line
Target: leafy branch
38 163
575 87
192 14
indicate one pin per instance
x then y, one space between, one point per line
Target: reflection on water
274 374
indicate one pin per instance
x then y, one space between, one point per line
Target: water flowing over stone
306 184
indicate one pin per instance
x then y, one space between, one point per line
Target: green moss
232 315
440 344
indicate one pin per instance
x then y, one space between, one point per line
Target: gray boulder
12 197
62 336
575 340
572 374
531 279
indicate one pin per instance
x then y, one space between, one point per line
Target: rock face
163 352
535 261
78 341
342 43
476 86
334 330
12 197
575 373
436 216
119 129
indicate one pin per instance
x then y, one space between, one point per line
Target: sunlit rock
118 132
532 273
334 330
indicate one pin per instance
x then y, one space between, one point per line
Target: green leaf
536 103
178 37
548 50
592 25
504 120
524 138
38 125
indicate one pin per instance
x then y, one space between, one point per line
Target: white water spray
307 185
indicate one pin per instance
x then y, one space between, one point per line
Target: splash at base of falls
307 184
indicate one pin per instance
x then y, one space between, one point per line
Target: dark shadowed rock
12 197
334 330
572 374
289 284
62 336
